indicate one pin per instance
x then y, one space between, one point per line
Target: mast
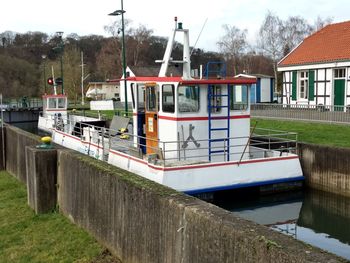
167 59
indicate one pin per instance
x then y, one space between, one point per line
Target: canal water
314 217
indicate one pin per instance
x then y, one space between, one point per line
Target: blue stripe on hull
236 186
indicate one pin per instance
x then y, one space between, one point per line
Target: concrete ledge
141 221
41 179
326 168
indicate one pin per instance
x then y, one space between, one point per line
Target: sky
89 17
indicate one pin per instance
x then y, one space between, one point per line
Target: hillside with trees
28 59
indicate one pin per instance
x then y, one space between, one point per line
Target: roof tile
331 43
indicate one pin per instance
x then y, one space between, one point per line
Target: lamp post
60 48
116 13
44 65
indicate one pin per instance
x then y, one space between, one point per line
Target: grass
26 237
310 132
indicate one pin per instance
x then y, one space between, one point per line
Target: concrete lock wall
326 168
141 221
15 142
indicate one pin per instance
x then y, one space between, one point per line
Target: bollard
41 168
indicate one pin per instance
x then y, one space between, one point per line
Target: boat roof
181 81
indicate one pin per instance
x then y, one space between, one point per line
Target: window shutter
311 85
294 85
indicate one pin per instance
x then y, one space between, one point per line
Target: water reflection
315 217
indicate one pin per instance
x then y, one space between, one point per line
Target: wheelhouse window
151 98
133 95
215 98
168 98
52 103
188 99
61 103
303 84
339 73
141 95
239 97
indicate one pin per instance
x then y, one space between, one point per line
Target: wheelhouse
206 113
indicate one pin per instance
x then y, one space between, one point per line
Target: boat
192 134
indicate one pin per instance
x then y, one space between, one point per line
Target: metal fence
263 143
317 113
22 103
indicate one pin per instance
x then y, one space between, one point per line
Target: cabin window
168 98
339 73
61 103
151 95
215 99
52 103
239 97
188 99
303 84
133 95
140 89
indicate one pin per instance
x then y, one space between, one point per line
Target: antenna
199 36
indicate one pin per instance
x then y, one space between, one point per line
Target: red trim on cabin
191 81
170 118
219 81
201 118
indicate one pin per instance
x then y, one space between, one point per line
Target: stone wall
326 168
141 221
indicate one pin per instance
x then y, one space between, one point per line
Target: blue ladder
211 119
215 69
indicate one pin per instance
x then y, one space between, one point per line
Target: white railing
263 143
319 113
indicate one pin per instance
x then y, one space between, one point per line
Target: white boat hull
209 177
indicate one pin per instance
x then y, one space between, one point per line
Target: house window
339 73
303 84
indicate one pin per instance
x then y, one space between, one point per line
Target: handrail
245 148
170 151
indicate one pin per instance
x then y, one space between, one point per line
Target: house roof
330 44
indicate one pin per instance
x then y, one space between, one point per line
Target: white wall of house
324 80
103 91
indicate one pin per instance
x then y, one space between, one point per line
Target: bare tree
108 60
293 31
72 72
233 44
271 40
321 23
140 39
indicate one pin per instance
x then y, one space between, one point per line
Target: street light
60 49
44 65
117 13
